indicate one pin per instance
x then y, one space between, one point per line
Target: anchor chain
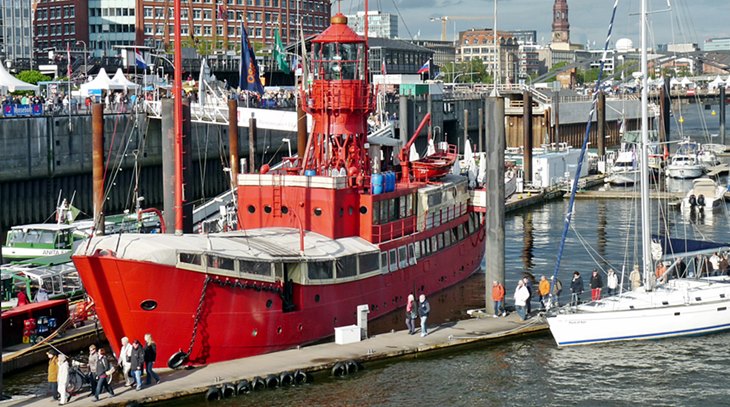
197 314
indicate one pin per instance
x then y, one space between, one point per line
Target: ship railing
394 230
437 217
153 108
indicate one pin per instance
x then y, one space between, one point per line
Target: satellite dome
624 45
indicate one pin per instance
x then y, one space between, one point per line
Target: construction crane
445 19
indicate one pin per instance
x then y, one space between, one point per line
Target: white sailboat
680 307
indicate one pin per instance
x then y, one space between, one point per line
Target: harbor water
531 370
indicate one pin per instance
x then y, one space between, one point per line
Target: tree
33 77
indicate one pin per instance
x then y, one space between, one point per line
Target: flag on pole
221 11
425 67
279 53
382 68
139 60
249 70
68 57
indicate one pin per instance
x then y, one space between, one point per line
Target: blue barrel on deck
389 181
377 184
310 173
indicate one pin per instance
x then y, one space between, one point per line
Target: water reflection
527 241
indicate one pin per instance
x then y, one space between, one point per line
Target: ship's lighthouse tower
339 101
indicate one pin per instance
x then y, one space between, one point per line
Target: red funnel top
338 31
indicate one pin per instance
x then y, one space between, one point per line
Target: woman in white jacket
62 378
521 297
125 354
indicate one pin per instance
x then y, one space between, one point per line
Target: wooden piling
97 143
252 144
233 140
527 136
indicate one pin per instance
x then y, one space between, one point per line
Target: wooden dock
317 360
671 196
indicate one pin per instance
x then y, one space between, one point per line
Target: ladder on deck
276 183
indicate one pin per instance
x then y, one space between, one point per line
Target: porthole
350 210
316 298
284 210
317 211
251 209
267 209
148 305
342 212
278 330
254 332
269 303
301 327
363 210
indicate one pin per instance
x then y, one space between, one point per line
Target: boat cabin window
447 238
384 262
255 268
402 257
434 243
190 258
346 266
434 199
294 272
319 270
338 61
440 238
417 250
393 260
376 213
220 262
411 254
369 262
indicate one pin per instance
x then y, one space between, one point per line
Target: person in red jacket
498 298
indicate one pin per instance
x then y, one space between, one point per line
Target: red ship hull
239 320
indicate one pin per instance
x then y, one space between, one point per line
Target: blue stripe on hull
697 331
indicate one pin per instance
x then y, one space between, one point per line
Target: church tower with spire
561 26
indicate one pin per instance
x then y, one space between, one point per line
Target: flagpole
68 56
177 99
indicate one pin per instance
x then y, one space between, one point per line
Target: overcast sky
690 20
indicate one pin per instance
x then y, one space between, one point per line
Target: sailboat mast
645 208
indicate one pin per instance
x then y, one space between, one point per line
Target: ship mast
644 160
177 100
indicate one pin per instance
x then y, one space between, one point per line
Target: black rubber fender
257 383
213 393
339 369
272 381
286 378
243 387
301 377
228 390
351 367
177 359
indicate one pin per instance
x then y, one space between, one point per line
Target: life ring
301 377
177 359
339 369
272 381
243 387
213 393
351 366
257 383
228 390
286 378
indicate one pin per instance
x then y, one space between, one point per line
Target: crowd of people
133 360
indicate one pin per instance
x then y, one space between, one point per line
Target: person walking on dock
635 278
93 359
576 289
498 298
62 379
124 360
104 371
424 308
53 373
596 286
150 355
612 282
136 361
544 290
528 285
411 314
521 298
557 290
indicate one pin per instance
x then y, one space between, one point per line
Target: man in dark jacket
596 286
137 363
103 372
576 288
424 308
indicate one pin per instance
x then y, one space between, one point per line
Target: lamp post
86 70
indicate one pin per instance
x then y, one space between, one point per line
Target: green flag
279 53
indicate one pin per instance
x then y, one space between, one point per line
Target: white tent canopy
686 82
9 83
101 81
674 82
716 83
120 82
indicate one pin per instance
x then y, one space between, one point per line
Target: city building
444 52
381 25
609 62
683 48
528 61
561 26
479 44
524 36
215 27
16 32
111 23
401 57
717 44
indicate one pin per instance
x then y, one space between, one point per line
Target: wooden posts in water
722 115
526 136
301 131
252 144
494 222
233 140
664 112
97 143
601 124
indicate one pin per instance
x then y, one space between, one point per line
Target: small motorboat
704 195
